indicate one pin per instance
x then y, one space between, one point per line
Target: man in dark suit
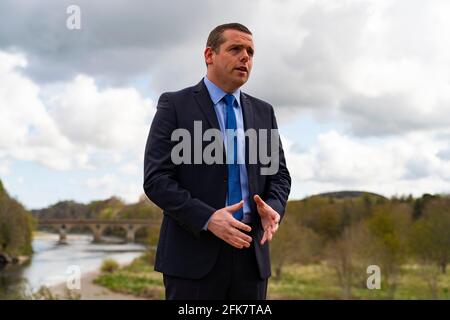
218 217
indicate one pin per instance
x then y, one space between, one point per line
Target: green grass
297 282
303 282
320 282
138 279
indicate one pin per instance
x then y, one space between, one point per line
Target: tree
388 240
344 256
339 257
420 204
293 243
430 236
16 226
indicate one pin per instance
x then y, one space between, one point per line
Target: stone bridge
97 226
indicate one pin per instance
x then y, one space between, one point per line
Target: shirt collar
217 94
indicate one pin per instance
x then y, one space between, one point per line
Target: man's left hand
270 219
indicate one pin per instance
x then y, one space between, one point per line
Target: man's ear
208 55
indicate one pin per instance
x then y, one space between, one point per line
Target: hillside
111 208
347 195
16 225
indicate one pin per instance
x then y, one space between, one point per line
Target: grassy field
296 282
138 279
320 282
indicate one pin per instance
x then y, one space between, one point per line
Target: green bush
109 266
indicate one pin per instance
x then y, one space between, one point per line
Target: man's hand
226 227
270 219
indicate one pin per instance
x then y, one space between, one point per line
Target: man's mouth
243 69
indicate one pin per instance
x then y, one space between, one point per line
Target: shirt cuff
205 227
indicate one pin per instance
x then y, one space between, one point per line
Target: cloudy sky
361 90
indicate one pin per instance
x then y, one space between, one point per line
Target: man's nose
245 56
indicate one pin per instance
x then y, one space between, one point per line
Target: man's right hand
226 227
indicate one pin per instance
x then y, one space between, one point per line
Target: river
53 263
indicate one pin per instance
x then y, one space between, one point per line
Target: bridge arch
97 226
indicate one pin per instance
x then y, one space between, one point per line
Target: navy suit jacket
189 194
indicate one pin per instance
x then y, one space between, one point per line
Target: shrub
109 266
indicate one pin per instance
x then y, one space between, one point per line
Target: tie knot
229 99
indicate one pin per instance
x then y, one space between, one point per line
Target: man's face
230 67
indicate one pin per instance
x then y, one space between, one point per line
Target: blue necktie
234 181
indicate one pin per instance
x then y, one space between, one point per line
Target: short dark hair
215 38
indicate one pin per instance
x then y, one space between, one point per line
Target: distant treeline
350 233
109 209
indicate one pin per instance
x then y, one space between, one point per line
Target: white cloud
77 127
102 183
399 165
131 169
111 184
27 132
111 119
382 67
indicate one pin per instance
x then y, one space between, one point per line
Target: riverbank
138 279
90 291
17 260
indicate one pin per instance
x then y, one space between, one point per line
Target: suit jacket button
225 179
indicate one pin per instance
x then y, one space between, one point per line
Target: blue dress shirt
216 95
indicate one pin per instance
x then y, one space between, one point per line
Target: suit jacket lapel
206 105
203 99
249 123
247 111
248 114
